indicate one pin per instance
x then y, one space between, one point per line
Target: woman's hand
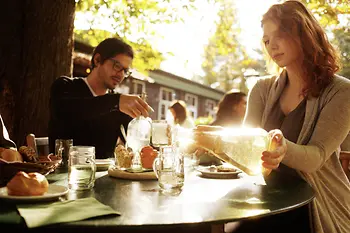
273 157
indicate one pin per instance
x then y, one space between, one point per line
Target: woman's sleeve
255 106
331 129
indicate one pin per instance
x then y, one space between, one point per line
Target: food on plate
148 154
28 154
27 184
222 168
225 169
10 155
123 157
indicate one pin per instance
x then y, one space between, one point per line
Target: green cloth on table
10 217
36 215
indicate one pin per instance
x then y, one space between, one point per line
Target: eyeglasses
118 67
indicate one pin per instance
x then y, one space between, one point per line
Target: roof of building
173 81
82 56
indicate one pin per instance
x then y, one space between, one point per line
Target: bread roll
123 157
28 154
27 184
10 155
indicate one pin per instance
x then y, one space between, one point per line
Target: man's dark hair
110 48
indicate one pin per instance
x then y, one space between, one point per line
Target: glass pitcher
138 136
243 147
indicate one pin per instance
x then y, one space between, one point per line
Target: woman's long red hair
321 60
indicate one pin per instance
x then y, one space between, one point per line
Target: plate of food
31 186
103 164
218 172
53 192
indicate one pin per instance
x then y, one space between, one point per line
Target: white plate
103 164
207 173
53 192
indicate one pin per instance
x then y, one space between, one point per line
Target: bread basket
9 169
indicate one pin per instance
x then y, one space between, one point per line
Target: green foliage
342 40
225 58
334 16
130 20
326 11
203 120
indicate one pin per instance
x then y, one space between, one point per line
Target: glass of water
160 130
169 168
81 167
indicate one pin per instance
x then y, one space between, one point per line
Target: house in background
162 88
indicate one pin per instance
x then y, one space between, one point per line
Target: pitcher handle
93 167
155 167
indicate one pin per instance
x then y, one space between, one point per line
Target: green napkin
10 217
66 211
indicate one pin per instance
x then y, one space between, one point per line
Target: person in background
231 110
306 110
180 115
87 110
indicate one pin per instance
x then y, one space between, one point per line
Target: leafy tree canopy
225 58
130 20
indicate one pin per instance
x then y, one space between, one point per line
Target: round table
202 202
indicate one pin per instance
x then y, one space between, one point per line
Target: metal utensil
122 129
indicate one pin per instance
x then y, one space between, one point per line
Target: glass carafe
138 136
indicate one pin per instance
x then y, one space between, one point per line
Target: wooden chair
40 144
345 162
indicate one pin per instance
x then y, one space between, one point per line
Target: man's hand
134 106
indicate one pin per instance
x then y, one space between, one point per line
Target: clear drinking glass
159 133
169 169
62 147
82 167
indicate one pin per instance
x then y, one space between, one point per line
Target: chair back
345 162
39 144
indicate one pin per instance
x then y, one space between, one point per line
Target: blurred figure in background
180 115
231 109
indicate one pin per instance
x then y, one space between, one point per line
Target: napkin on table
66 211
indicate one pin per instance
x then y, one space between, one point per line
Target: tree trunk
35 48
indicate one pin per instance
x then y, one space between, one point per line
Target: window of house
192 104
166 97
138 87
210 108
122 89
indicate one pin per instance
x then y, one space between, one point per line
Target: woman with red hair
306 109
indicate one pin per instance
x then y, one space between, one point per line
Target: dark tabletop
202 201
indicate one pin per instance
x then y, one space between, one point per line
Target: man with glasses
87 110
